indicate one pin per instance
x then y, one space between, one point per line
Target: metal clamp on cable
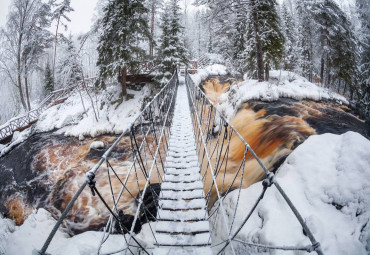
270 179
91 182
313 247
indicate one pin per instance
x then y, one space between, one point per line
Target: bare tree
24 41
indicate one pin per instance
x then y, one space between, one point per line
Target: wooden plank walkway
182 226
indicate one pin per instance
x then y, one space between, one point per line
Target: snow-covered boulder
30 236
328 180
96 145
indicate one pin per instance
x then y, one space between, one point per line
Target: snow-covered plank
183 251
192 170
183 240
182 227
169 194
182 186
181 177
182 204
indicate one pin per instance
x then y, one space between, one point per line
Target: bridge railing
131 190
225 159
33 115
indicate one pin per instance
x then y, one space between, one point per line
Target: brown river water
47 169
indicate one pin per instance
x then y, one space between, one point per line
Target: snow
97 145
31 235
328 180
18 137
35 230
282 84
71 119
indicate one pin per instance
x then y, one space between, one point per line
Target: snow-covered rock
71 119
18 137
30 236
282 84
328 180
96 145
202 74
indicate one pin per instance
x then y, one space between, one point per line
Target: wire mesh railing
130 190
224 158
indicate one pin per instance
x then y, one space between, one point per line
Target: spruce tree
290 46
363 11
48 80
337 45
305 39
124 27
69 67
171 49
265 37
239 41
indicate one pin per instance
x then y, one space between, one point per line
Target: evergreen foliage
48 80
305 40
337 45
69 67
124 26
265 43
290 35
363 11
171 49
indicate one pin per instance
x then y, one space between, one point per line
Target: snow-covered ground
35 230
281 84
69 118
328 180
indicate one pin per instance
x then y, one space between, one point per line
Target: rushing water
47 169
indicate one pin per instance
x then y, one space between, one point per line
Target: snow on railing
33 115
214 136
148 136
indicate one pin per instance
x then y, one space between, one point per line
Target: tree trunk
322 70
27 91
19 71
267 71
258 42
122 78
55 45
151 43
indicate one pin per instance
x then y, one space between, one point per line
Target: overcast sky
80 18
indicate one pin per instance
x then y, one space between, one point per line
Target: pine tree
305 39
337 45
363 11
69 67
239 41
48 80
266 37
290 46
171 45
124 27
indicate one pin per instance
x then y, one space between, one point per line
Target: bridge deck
182 226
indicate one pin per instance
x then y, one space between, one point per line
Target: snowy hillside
328 180
70 119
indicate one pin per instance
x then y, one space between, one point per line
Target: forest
326 41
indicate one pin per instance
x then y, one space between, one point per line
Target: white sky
80 18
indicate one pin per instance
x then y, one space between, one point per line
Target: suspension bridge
181 141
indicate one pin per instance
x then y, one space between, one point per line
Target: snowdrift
328 180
